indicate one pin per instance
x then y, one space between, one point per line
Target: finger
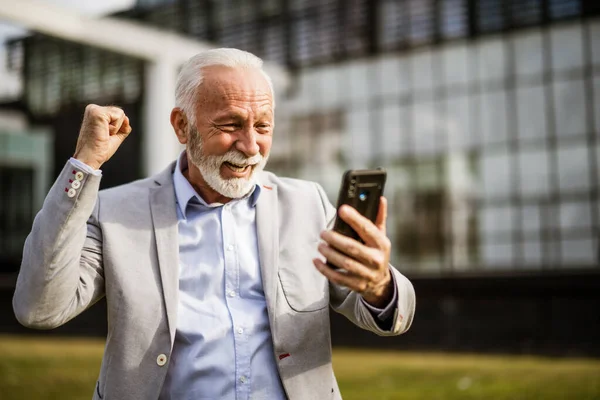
341 278
366 229
346 263
125 128
116 117
381 215
352 248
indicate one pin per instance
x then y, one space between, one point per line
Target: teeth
236 168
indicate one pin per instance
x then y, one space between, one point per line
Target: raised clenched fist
102 131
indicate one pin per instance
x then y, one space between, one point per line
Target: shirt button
161 360
76 184
72 192
240 330
243 379
79 175
231 293
230 247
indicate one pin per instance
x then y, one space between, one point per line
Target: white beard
210 168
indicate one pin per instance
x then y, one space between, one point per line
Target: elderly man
211 269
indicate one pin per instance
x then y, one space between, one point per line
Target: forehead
225 86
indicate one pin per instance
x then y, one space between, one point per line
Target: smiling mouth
237 168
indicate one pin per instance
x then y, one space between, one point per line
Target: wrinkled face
231 139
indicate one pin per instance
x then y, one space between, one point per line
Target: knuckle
353 251
347 264
377 258
387 243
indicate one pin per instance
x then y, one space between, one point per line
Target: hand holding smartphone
362 190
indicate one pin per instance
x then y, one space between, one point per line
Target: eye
263 126
229 127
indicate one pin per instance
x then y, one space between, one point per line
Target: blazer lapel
164 219
267 224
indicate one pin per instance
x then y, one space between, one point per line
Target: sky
9 85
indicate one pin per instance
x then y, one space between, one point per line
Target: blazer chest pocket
304 287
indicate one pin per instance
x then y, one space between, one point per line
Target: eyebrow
227 115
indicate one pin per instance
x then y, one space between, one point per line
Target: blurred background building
485 113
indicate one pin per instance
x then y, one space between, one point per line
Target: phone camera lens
362 196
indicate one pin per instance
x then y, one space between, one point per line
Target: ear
179 122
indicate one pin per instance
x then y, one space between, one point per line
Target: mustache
238 158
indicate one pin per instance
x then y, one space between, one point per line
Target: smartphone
361 189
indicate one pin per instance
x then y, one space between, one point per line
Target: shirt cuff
86 168
383 314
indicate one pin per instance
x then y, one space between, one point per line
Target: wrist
95 165
381 297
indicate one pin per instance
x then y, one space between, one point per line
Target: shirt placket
232 290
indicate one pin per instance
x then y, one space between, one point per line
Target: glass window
530 219
494 117
497 255
491 59
597 104
53 95
392 76
594 34
358 80
392 30
358 141
421 69
567 47
579 252
490 15
532 252
456 62
453 18
525 12
391 121
496 174
303 40
427 124
356 27
573 168
564 8
274 43
458 123
528 53
422 21
327 40
531 112
91 73
497 219
570 108
534 173
575 216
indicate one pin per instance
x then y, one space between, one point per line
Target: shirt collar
185 192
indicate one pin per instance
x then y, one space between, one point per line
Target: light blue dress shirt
223 347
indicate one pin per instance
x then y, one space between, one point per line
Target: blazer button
71 192
79 175
161 360
76 184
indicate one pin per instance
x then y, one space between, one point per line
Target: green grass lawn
66 369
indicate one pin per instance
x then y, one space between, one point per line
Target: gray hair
191 75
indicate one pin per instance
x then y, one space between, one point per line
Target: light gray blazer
122 243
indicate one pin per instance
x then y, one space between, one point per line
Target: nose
246 143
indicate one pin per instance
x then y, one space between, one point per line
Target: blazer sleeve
61 273
349 303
